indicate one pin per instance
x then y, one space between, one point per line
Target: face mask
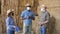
42 9
28 8
12 14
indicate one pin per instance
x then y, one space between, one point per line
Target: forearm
46 21
11 25
33 18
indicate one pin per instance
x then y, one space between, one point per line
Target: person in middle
27 16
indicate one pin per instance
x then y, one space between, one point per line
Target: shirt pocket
12 22
43 17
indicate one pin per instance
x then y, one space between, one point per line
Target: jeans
10 32
43 29
27 29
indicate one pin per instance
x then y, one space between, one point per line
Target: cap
28 5
9 11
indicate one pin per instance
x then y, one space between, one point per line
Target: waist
10 28
27 18
28 22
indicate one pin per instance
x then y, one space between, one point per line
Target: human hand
41 23
14 26
27 16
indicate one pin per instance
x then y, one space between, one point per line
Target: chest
11 21
28 14
43 16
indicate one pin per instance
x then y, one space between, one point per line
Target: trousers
43 29
10 32
27 29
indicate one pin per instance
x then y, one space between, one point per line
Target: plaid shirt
44 16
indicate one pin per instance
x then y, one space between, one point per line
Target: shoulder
32 12
47 13
24 11
8 18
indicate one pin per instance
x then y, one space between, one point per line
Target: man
44 19
10 22
27 16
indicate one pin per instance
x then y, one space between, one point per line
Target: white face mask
28 8
42 9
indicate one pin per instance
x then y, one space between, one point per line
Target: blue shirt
26 13
10 23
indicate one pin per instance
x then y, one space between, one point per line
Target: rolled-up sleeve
33 15
8 23
22 14
48 17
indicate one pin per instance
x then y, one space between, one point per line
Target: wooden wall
19 6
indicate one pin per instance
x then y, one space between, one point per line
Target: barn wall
19 6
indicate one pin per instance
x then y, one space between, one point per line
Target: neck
28 10
10 16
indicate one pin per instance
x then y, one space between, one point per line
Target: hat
9 11
44 6
28 5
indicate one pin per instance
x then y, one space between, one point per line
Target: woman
10 22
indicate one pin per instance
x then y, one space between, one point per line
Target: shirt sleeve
8 23
33 15
48 17
22 14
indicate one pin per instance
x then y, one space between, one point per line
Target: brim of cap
9 12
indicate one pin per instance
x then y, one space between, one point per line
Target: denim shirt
10 23
26 13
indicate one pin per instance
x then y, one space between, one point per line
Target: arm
25 16
8 23
33 16
47 18
22 16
